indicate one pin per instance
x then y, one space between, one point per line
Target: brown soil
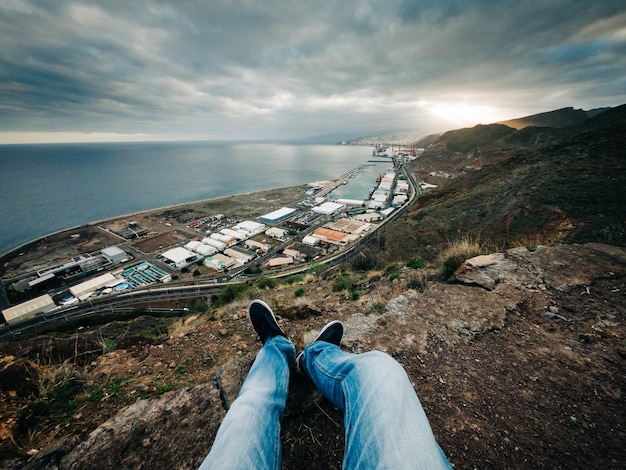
522 391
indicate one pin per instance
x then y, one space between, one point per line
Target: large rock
174 431
561 267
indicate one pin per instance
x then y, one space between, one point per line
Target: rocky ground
519 363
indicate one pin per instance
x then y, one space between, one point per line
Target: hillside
559 118
518 355
571 191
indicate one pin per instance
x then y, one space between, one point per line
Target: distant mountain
508 191
558 119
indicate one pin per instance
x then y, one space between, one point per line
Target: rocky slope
519 363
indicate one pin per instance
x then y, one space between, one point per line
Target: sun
465 114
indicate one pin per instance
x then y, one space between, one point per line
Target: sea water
45 188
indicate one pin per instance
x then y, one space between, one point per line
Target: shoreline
170 206
95 223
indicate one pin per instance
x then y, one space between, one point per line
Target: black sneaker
331 333
264 321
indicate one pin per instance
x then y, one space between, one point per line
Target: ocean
50 187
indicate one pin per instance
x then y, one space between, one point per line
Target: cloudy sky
273 69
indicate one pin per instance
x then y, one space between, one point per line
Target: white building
240 254
276 232
179 257
277 215
328 208
206 250
254 245
219 262
193 245
311 241
234 233
28 309
227 239
250 226
214 243
114 254
85 288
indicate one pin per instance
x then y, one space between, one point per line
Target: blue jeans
385 425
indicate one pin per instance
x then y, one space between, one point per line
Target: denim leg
385 424
249 436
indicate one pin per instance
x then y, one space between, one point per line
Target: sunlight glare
465 114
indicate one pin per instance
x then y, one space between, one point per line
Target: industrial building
77 266
249 227
307 252
276 232
254 245
193 245
312 241
240 254
279 262
179 257
114 254
205 250
226 239
277 215
370 216
28 309
349 226
219 262
328 208
333 236
84 289
214 243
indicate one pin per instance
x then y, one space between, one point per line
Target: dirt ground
510 399
525 391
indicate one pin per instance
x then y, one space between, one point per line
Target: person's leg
385 424
249 436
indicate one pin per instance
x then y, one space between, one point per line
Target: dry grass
456 252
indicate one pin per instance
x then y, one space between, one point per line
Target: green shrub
315 268
415 263
392 268
198 306
299 292
394 276
265 282
231 292
354 295
377 307
343 282
294 279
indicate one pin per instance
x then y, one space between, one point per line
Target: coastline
250 196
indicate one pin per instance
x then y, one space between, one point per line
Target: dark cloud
246 69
